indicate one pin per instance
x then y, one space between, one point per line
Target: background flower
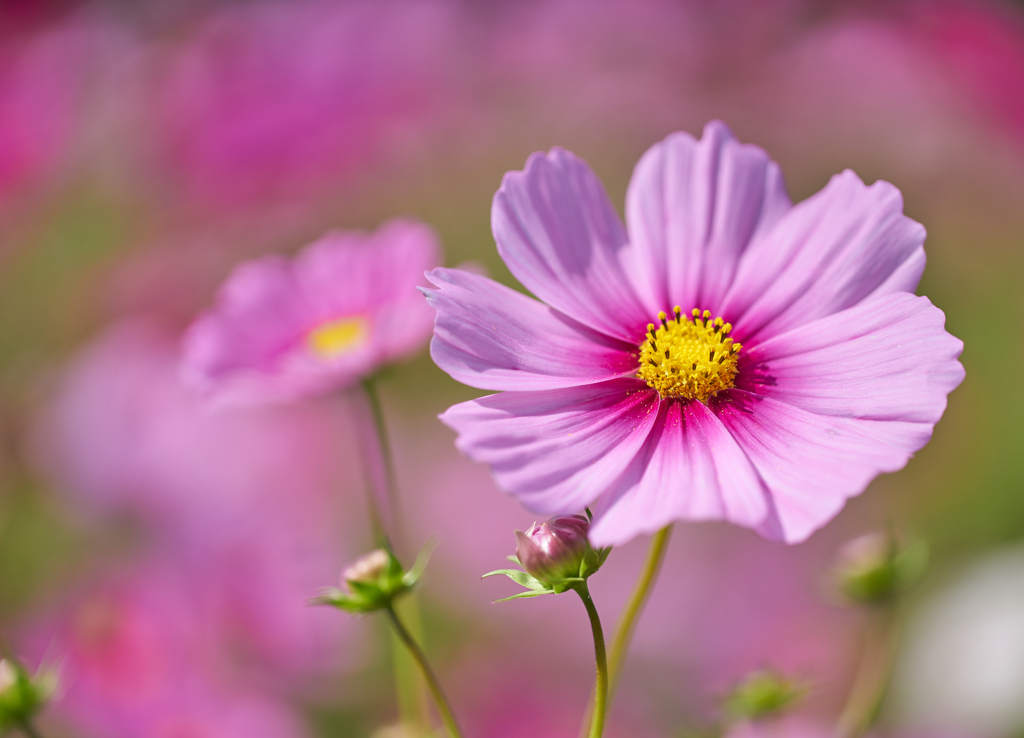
282 330
168 141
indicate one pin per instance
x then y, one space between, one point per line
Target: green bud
876 568
763 694
23 695
373 582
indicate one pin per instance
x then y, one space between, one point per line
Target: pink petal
828 253
692 208
691 468
492 337
561 238
388 262
557 450
885 359
257 317
812 463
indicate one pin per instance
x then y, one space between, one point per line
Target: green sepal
524 595
412 576
519 577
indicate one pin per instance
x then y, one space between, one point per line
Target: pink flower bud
554 549
366 568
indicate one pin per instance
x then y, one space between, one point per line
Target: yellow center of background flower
690 359
338 337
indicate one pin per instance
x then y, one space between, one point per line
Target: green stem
382 506
601 657
435 686
871 684
631 615
635 605
378 462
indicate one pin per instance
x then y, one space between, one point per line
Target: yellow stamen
337 337
689 359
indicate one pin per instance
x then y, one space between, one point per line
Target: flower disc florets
691 359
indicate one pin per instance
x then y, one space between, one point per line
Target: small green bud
763 694
373 582
876 568
23 695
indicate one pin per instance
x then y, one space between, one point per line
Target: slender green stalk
635 605
390 491
631 615
871 684
601 657
382 507
378 463
29 729
443 706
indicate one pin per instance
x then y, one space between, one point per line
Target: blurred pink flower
40 80
278 101
842 372
251 502
982 46
284 329
137 659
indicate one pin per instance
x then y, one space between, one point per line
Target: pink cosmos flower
729 356
284 329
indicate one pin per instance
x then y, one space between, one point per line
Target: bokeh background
162 555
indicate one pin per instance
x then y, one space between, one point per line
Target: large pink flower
828 371
284 329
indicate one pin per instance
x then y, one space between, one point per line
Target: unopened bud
555 549
876 567
22 695
367 568
762 694
373 581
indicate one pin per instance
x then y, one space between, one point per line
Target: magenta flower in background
729 356
39 81
280 101
252 505
137 659
284 329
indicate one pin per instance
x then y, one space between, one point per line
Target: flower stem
435 686
601 657
635 605
382 506
378 463
867 696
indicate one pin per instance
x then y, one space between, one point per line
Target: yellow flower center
690 359
337 337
